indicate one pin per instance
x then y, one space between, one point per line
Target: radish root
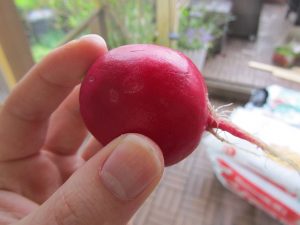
220 123
215 133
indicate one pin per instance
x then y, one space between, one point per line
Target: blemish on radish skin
142 50
163 102
91 79
132 85
113 96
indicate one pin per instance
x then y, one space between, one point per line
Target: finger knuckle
65 213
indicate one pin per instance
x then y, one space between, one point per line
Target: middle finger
66 129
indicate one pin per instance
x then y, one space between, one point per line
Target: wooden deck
189 194
229 71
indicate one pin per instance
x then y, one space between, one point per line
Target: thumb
108 189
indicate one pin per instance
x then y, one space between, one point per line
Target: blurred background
249 54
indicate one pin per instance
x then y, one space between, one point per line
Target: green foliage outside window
128 21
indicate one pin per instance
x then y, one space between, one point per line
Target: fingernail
131 167
93 37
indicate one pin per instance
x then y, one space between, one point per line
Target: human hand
43 178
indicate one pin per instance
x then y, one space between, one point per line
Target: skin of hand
44 180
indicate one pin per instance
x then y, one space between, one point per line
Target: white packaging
270 184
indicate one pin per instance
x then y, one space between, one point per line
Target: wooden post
166 21
174 21
162 22
98 25
15 54
6 68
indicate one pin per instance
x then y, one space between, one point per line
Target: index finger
25 113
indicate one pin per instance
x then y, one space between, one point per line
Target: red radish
154 91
